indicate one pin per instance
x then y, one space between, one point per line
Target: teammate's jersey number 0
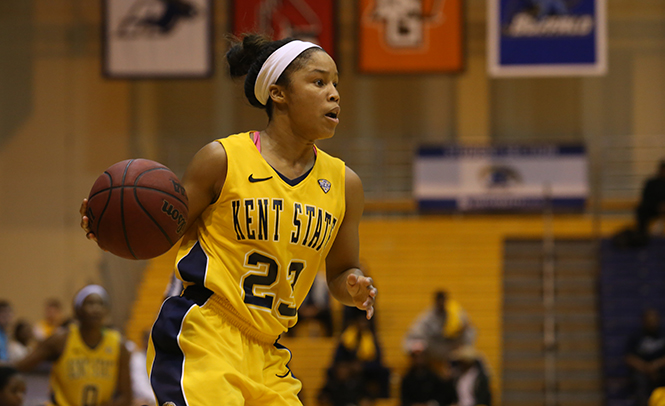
89 395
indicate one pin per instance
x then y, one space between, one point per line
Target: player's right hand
362 292
85 221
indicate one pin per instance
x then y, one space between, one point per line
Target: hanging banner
157 38
511 177
407 36
308 20
547 37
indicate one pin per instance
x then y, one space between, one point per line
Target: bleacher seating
631 280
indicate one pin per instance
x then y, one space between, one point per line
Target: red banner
410 36
309 20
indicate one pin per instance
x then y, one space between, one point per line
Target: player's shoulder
353 182
238 138
321 154
112 332
211 154
233 145
114 337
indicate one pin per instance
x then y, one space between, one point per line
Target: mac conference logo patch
325 185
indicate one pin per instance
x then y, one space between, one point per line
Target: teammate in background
266 209
91 362
12 387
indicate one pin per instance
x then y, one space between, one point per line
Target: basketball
137 209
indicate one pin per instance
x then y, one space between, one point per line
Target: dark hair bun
244 53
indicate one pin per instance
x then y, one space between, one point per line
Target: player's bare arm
47 350
204 178
346 281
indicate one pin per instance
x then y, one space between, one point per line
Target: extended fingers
84 207
84 217
371 297
85 221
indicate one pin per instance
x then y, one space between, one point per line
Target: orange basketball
137 209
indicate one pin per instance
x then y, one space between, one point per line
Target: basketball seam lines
163 191
152 218
139 187
136 196
108 200
122 209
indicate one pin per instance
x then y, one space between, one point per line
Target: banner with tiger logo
410 36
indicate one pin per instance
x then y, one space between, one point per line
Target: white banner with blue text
497 178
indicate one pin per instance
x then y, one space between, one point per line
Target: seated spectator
345 385
314 312
652 202
53 319
441 329
645 355
22 342
471 378
359 342
12 387
6 318
421 386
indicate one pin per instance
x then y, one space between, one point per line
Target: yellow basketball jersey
84 376
259 247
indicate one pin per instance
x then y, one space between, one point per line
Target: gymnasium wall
62 123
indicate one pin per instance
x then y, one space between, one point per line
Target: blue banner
547 37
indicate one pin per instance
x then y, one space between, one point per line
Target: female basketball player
91 362
266 209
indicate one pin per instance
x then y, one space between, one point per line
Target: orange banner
410 36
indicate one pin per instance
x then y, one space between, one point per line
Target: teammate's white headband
87 291
276 63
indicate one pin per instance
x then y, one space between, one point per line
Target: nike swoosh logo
254 180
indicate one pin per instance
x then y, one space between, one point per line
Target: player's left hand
362 292
85 222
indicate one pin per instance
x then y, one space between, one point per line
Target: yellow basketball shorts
196 358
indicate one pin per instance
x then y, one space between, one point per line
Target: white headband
276 63
87 291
